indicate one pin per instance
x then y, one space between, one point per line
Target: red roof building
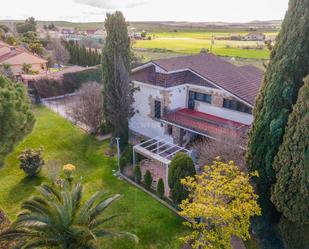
201 94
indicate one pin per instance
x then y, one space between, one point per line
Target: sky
146 10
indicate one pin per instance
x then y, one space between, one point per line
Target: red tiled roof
9 55
14 53
204 123
91 31
243 82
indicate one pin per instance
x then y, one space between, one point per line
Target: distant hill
269 26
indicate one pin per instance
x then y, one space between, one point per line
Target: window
157 109
236 106
202 97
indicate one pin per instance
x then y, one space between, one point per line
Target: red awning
204 123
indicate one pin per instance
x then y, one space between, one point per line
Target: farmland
188 43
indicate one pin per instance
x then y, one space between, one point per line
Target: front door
191 100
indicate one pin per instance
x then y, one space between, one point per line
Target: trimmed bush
148 180
31 161
49 88
160 188
123 162
181 166
78 78
137 174
70 83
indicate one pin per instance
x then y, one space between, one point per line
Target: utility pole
212 42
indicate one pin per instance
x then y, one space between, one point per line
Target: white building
199 95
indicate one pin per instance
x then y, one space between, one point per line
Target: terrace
204 124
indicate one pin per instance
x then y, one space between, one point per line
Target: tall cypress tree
289 64
116 66
16 119
291 191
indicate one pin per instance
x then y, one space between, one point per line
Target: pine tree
291 191
116 67
160 188
289 64
16 119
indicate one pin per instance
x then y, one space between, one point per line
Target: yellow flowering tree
220 205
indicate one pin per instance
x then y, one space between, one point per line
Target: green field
155 225
185 45
203 35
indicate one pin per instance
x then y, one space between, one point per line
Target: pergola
160 150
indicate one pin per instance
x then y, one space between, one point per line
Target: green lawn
189 45
155 225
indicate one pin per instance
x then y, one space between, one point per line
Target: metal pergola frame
160 150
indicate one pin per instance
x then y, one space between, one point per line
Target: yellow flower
68 169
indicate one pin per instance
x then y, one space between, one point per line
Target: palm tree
56 219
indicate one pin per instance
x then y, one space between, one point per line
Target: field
155 225
190 43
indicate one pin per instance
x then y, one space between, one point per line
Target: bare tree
60 53
88 108
229 146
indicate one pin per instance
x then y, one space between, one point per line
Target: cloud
112 4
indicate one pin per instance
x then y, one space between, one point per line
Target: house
255 36
96 33
70 34
16 57
182 98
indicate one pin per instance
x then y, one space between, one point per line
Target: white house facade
199 95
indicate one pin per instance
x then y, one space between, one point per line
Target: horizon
197 11
145 21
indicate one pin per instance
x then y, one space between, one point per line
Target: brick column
178 134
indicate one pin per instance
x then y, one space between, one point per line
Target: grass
155 225
184 45
202 35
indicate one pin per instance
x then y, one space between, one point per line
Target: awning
203 123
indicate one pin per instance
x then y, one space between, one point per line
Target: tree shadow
23 189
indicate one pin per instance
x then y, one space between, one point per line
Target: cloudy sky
146 10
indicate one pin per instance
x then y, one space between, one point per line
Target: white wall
144 124
178 97
241 117
141 122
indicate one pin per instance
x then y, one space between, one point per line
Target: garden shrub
181 166
78 78
48 88
31 161
160 188
122 162
148 180
137 174
70 83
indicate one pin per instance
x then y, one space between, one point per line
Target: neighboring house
16 57
136 36
96 33
255 36
70 34
182 98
